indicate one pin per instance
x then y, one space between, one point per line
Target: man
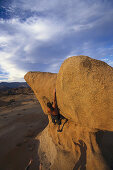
53 110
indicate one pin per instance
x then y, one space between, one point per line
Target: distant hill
14 88
7 85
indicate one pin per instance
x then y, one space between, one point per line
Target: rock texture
87 89
84 89
42 84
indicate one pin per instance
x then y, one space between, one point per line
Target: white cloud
14 73
3 77
42 29
27 34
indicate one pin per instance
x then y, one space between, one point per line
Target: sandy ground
21 119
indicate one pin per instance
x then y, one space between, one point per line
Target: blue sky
39 35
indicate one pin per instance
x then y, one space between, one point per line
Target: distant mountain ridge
10 85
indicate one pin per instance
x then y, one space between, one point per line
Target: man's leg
58 129
58 121
53 119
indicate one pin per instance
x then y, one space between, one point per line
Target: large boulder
84 89
85 92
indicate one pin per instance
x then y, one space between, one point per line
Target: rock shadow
104 140
81 164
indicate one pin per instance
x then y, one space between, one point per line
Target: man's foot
59 130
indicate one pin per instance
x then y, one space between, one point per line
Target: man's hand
54 91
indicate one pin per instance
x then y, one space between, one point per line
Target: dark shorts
56 119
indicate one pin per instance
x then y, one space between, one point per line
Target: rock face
87 89
42 85
84 89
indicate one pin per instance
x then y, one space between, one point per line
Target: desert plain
21 119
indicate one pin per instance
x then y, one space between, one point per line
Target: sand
21 119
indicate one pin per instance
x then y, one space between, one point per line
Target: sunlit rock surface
84 89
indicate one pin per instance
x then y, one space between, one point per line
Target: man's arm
54 100
29 164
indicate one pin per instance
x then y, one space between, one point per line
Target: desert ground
21 119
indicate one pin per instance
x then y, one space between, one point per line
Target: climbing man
54 112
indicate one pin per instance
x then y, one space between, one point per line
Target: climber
53 110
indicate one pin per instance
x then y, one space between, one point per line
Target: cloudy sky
38 35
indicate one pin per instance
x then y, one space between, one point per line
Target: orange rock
84 90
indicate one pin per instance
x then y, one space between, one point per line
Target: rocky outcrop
84 89
42 84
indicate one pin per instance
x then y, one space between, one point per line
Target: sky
38 35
